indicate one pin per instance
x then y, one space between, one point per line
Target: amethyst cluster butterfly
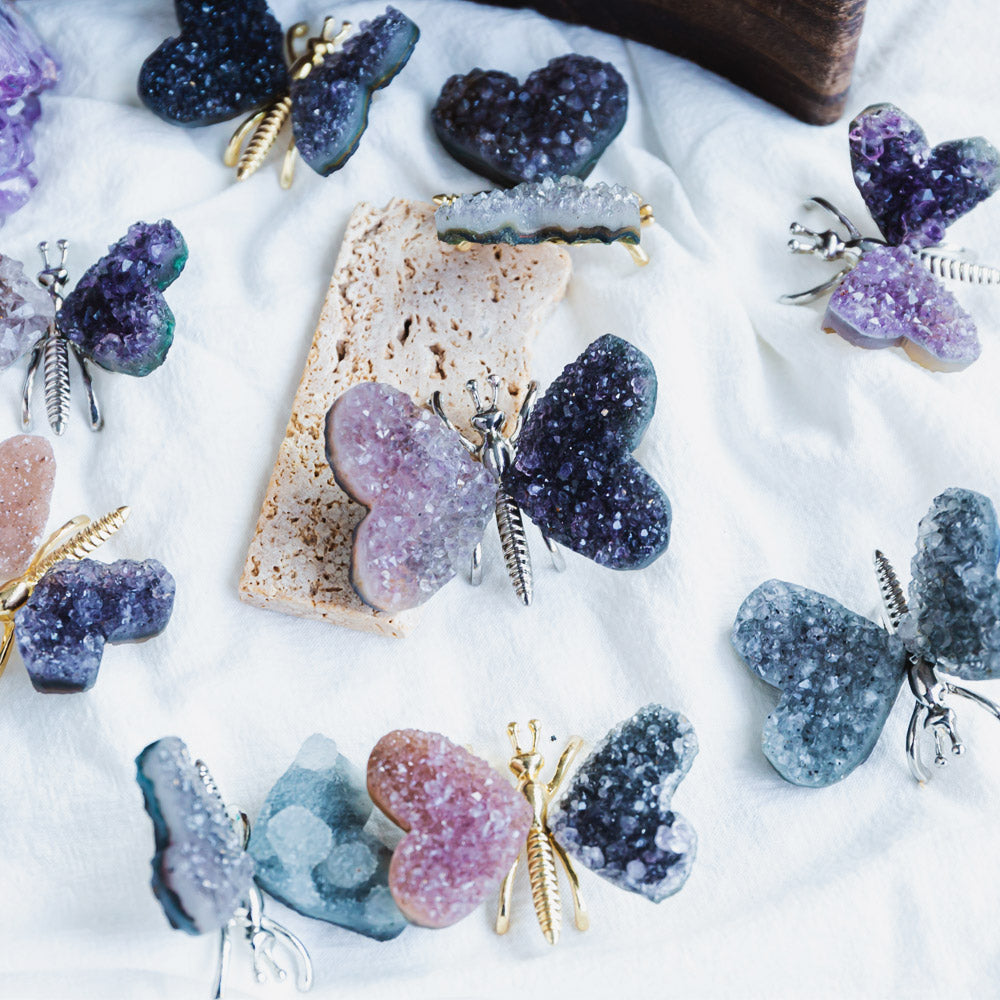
567 465
889 293
116 316
230 58
839 673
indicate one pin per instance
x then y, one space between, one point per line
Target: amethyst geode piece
228 59
559 121
201 873
78 607
117 315
574 474
890 299
26 312
428 501
913 191
330 104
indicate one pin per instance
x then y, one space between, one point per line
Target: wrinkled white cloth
785 452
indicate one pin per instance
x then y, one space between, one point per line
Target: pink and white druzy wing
428 500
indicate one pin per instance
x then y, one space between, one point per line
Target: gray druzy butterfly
839 673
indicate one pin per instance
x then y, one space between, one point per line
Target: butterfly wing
890 299
838 674
428 501
330 104
228 59
616 818
26 312
915 192
954 618
117 315
574 474
465 823
201 874
27 476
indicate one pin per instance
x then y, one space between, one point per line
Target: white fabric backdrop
785 453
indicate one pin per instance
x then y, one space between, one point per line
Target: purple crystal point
428 501
26 312
559 121
116 314
890 299
915 192
77 607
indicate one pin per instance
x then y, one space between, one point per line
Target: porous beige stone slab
406 309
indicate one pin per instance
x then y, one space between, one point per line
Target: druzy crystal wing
616 816
838 674
330 104
27 476
201 873
428 501
26 312
574 474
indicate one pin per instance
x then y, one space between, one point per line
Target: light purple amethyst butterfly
888 294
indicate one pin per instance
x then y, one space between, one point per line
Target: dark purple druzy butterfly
228 59
558 122
915 191
330 104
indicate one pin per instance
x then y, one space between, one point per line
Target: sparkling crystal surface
563 209
117 314
78 607
201 874
27 475
615 817
26 69
954 618
559 121
890 299
228 59
428 501
466 824
574 474
838 674
26 310
311 849
914 192
330 105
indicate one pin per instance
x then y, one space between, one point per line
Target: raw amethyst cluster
913 191
559 121
116 314
330 104
78 607
26 312
26 69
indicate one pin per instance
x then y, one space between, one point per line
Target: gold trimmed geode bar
405 309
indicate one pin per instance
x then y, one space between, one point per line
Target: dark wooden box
798 54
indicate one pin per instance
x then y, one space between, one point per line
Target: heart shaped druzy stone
890 299
914 192
228 59
559 121
838 674
117 314
312 851
574 474
616 816
330 105
465 823
77 607
201 874
954 618
428 501
27 476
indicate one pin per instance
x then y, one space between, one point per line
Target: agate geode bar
312 849
201 874
565 210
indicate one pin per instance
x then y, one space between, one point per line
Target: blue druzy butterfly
116 317
839 673
568 465
229 59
